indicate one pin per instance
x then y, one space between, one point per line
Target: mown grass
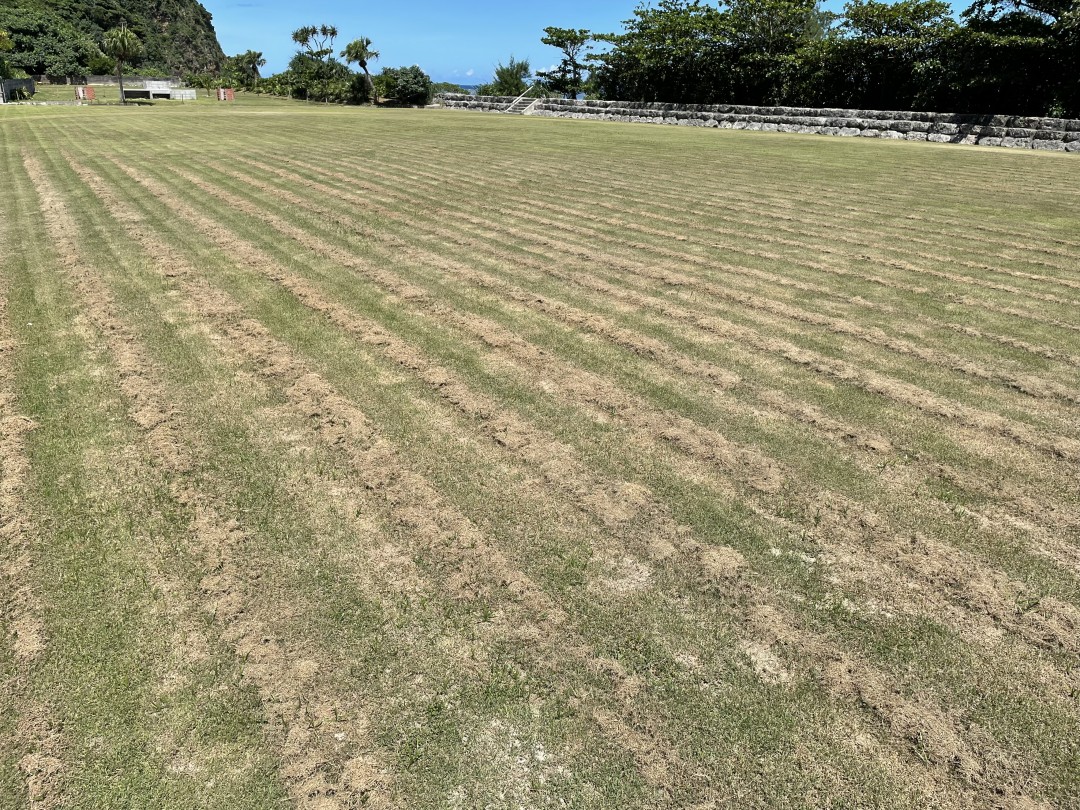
666 683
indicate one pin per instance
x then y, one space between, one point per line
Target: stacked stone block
1051 134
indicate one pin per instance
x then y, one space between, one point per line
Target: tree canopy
6 46
360 52
1002 56
568 77
122 45
316 40
315 73
405 85
243 69
511 79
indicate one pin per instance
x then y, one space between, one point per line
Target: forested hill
60 37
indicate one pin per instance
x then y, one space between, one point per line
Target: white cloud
470 72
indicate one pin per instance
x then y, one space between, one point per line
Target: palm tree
123 46
318 41
360 52
245 68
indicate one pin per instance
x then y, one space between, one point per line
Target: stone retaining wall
1051 134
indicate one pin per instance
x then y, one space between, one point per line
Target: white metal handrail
519 98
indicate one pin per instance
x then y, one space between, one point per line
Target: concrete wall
1052 134
8 88
134 81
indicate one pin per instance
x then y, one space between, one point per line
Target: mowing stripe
269 352
696 446
1029 386
610 187
571 218
323 401
470 554
302 237
905 393
559 205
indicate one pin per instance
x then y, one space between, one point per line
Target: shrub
405 85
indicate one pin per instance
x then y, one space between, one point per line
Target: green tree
386 82
314 68
204 81
123 46
317 41
511 79
6 46
406 85
1003 56
313 79
568 78
870 19
242 70
764 38
673 51
44 43
1047 31
413 86
360 52
891 53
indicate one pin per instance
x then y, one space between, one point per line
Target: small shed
150 90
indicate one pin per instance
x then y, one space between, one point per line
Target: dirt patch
627 577
766 663
722 563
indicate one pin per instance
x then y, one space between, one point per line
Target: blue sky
455 42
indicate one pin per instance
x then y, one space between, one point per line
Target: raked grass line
965 367
567 281
608 720
25 749
420 459
653 349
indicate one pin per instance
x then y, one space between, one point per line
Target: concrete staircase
521 105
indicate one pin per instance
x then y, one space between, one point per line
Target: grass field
420 459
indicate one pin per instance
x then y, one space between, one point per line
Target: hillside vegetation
61 37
